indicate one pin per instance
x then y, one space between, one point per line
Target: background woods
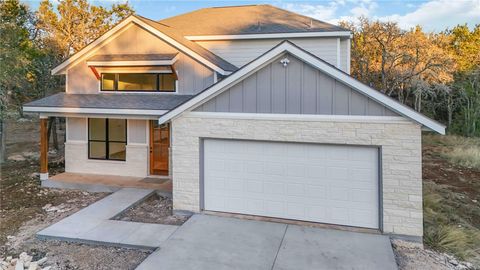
435 73
32 43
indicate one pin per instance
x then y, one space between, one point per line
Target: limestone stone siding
399 141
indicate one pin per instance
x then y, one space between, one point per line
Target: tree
465 46
16 53
395 61
469 85
76 23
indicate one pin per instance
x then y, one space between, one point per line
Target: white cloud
320 12
436 15
433 15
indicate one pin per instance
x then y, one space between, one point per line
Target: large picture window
141 82
107 139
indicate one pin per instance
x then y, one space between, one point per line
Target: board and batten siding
240 52
295 89
192 75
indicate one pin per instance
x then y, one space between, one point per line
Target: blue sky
432 15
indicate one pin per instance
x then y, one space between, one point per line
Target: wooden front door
159 148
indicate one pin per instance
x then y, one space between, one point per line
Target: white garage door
312 182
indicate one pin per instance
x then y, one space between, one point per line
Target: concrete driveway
211 242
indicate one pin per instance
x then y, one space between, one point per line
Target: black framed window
138 82
107 139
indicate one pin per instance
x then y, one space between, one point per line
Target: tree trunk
49 129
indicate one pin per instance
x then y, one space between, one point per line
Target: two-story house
247 109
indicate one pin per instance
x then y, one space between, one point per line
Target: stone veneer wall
400 142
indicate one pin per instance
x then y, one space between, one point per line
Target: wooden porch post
43 148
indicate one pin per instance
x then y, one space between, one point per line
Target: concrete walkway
93 224
211 242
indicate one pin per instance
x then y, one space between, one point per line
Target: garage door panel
320 183
274 168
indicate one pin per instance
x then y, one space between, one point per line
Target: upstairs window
138 82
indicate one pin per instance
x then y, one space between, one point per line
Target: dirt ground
25 208
451 212
155 209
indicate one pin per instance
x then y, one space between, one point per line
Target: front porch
107 183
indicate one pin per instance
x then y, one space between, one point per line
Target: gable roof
287 46
166 33
246 20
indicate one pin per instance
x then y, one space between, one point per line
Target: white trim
133 63
119 71
339 59
300 117
94 111
267 36
85 52
43 176
215 77
66 82
66 129
116 116
317 63
349 44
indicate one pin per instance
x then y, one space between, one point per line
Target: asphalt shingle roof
112 101
132 57
240 20
177 36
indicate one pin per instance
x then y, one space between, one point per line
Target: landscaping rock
16 158
19 265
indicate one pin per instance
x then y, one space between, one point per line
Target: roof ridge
243 19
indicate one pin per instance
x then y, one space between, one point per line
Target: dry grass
451 200
445 228
467 156
458 150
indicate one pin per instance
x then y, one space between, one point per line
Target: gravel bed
155 209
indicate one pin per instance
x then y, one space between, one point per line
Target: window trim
157 90
107 141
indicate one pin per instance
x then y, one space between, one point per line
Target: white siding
76 129
240 52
